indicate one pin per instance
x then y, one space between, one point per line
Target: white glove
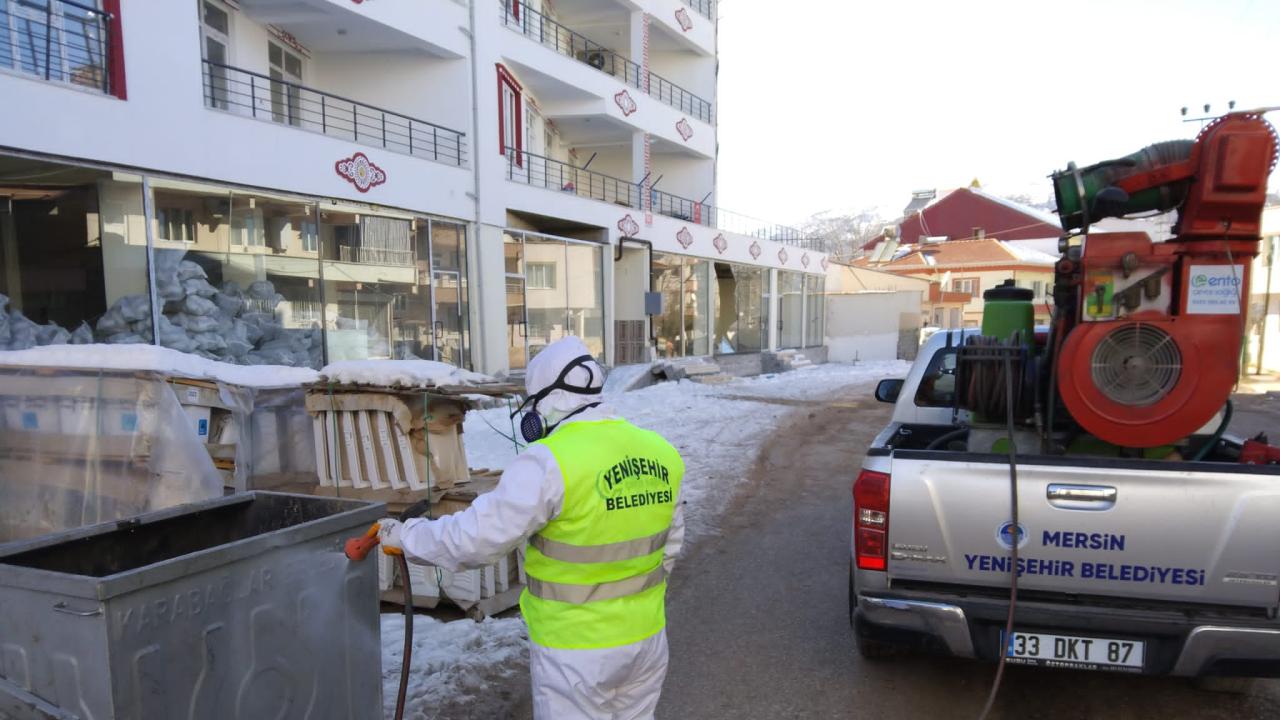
389 536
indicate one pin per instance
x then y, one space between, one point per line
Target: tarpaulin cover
79 447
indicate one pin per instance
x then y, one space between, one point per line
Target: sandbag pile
228 323
18 332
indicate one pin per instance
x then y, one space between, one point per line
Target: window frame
508 84
974 281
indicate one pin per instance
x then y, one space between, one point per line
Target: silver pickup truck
1126 564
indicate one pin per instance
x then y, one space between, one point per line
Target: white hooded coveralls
619 683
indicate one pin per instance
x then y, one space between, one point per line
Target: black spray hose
1217 434
408 637
1017 537
942 440
418 509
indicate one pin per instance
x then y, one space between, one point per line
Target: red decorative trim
782 256
505 78
115 51
289 40
682 17
755 250
685 129
628 226
720 244
804 259
684 237
625 102
360 171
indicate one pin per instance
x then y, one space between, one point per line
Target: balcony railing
544 172
375 256
260 96
552 174
536 26
701 213
57 40
705 8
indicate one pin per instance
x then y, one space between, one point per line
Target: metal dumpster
239 607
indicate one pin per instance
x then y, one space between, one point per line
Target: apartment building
303 181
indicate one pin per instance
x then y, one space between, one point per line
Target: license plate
1071 651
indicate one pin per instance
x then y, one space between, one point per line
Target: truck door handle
1081 497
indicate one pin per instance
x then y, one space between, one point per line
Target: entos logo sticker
1214 289
1004 535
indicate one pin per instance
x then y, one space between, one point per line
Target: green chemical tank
1008 309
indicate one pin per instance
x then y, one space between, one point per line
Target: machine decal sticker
1214 289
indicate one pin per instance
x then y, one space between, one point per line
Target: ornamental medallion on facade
684 237
625 102
682 17
360 171
685 129
628 226
720 243
755 250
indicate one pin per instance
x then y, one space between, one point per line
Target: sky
841 105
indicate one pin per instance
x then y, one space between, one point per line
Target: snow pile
460 669
157 359
400 373
718 429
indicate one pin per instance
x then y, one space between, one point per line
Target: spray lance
357 549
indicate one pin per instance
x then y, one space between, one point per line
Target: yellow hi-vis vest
595 573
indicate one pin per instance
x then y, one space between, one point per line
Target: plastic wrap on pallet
82 447
281 440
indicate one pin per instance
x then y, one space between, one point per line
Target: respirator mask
533 426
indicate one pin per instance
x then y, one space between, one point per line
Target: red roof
956 215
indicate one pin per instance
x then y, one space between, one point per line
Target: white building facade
303 181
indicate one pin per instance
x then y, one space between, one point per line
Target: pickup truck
1165 567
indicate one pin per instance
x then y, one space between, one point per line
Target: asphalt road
758 616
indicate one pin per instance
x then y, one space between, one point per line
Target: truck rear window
938 385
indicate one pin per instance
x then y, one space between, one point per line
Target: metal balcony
522 18
243 92
544 172
701 213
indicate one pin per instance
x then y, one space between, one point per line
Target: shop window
73 256
555 288
681 329
741 309
815 310
245 289
790 309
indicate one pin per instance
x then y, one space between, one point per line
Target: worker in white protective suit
598 502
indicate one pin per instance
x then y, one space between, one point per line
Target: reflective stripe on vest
582 594
612 552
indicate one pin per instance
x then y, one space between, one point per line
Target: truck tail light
871 520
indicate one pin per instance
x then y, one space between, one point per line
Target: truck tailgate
1126 529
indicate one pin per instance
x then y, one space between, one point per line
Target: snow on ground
152 358
461 670
399 373
464 669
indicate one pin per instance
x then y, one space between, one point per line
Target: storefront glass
242 277
555 288
791 307
682 328
73 256
815 310
741 309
